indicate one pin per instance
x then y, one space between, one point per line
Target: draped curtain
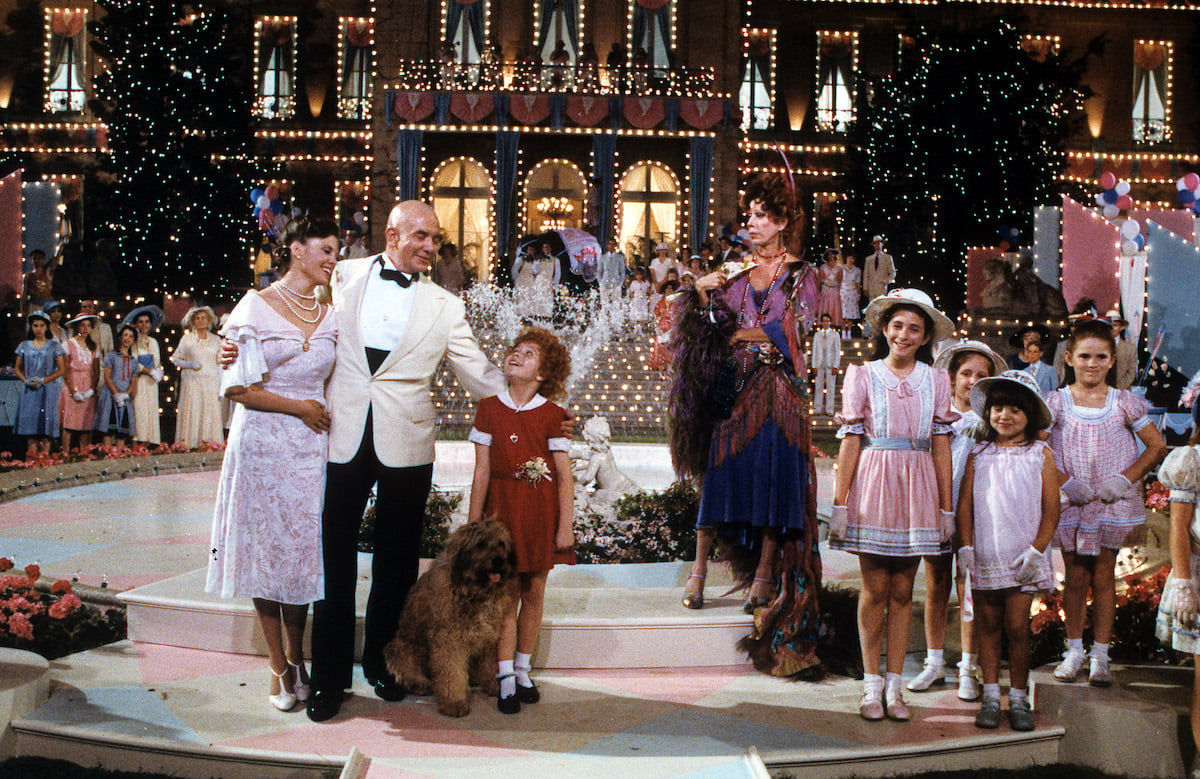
834 76
570 13
408 155
275 64
507 144
1149 91
652 31
700 173
604 157
471 12
356 70
65 87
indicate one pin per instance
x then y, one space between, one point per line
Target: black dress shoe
323 704
509 705
528 694
387 689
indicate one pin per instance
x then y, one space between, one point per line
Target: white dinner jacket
403 415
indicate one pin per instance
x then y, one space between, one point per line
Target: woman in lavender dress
266 539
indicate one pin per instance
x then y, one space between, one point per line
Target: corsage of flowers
533 471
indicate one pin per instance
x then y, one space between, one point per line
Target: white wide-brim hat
82 317
943 328
154 312
662 247
947 353
187 318
1019 379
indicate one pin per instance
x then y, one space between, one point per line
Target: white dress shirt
386 309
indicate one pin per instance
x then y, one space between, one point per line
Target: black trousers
399 515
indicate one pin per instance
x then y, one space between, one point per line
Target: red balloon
1108 180
272 192
1192 181
1124 202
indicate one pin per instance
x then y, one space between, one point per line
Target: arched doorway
462 198
649 210
555 195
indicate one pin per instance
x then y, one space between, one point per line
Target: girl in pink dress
829 277
523 479
892 497
78 400
1007 512
1100 469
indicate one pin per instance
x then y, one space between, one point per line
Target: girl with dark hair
1007 513
266 538
78 401
892 497
114 409
1094 438
40 363
739 424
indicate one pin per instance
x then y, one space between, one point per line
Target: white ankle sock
1075 645
872 682
1017 695
992 691
1099 650
522 667
891 681
508 682
935 656
969 660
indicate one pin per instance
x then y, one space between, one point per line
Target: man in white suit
394 327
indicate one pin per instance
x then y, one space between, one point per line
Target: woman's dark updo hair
924 351
300 231
777 198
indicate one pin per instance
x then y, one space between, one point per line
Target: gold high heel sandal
695 600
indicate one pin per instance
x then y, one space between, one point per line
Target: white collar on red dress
533 403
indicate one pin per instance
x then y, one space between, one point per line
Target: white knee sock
992 691
508 682
522 667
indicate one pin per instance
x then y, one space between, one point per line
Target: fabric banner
1091 246
529 109
587 110
470 106
1133 293
1173 287
701 114
412 107
1178 220
644 112
10 237
977 257
1047 220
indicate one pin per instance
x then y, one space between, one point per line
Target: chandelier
554 212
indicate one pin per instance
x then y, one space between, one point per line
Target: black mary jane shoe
509 705
529 694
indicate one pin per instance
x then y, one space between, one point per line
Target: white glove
88 394
838 520
188 364
1114 488
33 383
1028 565
156 374
946 524
966 558
120 399
78 396
1077 492
1185 603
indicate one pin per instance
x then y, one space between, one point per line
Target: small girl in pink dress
523 478
1094 445
829 279
1007 512
892 498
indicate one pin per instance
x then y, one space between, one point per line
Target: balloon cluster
1132 240
356 223
1189 192
1008 238
269 210
1115 197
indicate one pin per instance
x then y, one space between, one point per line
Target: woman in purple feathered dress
740 426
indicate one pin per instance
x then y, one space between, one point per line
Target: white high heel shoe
284 701
300 687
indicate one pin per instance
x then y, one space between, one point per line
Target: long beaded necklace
295 303
766 295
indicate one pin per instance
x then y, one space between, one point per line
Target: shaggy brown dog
446 640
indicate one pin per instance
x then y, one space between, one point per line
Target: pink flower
5 564
60 587
64 606
33 572
20 626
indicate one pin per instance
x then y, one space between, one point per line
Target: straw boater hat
1019 379
943 328
947 353
83 317
1115 317
155 313
187 318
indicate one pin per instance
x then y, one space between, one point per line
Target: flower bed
50 619
86 465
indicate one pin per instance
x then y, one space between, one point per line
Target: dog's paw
454 708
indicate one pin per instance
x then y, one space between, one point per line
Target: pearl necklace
316 311
287 292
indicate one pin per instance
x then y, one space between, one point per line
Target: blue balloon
255 194
1186 196
276 207
1140 240
1111 196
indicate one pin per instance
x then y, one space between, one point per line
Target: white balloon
1130 228
263 202
1181 184
1100 200
1111 211
1128 247
1122 187
359 218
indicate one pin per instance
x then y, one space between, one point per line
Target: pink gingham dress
892 506
1091 444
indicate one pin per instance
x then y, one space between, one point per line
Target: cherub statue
599 465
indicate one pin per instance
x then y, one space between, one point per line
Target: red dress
522 493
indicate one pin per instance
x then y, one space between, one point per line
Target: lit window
354 86
466 29
274 65
65 85
758 55
651 37
1152 91
837 54
463 194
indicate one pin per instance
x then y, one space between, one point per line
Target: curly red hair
778 199
554 361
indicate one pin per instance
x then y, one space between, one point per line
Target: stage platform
632 683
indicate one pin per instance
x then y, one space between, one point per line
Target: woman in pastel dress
40 363
851 291
145 402
198 418
114 408
266 537
829 277
77 401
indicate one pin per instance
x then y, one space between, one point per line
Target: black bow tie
403 279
